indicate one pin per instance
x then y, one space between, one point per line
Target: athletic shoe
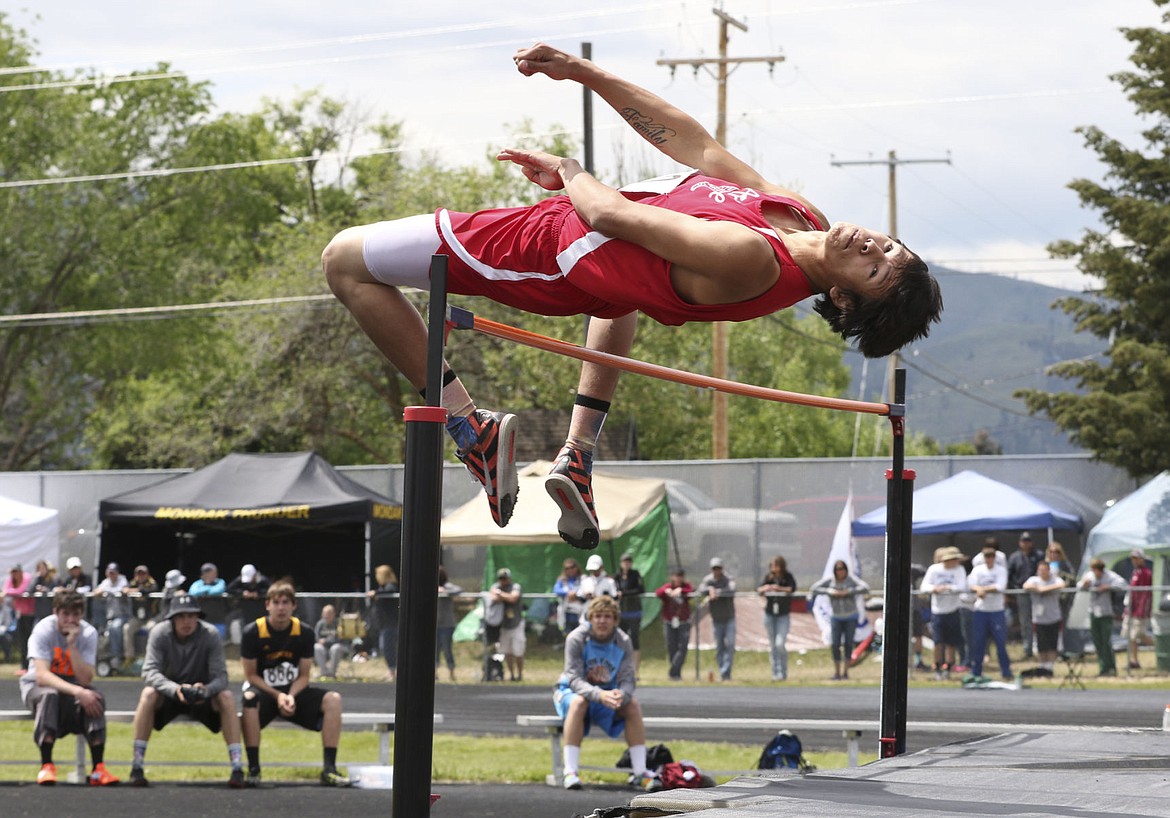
572 781
332 778
48 774
138 778
252 779
236 781
101 777
492 461
647 781
569 483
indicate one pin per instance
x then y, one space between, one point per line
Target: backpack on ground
784 751
656 756
680 774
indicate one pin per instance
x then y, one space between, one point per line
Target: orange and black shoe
101 777
48 774
570 484
492 461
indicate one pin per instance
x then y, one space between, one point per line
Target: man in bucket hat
186 675
945 580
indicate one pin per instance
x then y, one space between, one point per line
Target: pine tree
1122 412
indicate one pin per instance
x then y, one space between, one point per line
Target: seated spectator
62 651
596 582
75 579
1044 589
112 591
209 583
17 595
597 688
330 648
277 654
566 588
186 675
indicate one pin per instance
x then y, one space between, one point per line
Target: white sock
572 757
638 758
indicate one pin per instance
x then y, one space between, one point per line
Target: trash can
1160 625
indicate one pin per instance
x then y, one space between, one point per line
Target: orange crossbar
532 339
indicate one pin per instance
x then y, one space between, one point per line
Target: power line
84 317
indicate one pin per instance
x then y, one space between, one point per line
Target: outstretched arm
669 129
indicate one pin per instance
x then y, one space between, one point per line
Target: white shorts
398 253
513 641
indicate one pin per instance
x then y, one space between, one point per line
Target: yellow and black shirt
278 654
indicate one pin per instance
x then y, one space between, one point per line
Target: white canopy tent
27 533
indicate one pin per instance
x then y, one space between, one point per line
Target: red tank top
630 277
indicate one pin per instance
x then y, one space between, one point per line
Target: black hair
885 324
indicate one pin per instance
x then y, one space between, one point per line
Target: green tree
1122 411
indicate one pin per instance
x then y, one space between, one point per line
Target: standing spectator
385 597
172 587
946 582
250 584
777 588
505 610
247 591
17 591
329 649
1101 583
844 591
62 651
1021 566
1136 625
988 582
46 580
676 619
276 653
595 582
566 588
718 588
112 590
75 579
919 613
210 583
143 607
1044 589
630 588
445 622
597 688
186 675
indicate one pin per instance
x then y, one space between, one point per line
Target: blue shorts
605 718
947 629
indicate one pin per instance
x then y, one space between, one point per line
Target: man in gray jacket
186 674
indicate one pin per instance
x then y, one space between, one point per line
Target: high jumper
719 243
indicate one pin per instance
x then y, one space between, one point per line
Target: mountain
997 335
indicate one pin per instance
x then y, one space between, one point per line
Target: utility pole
719 448
892 162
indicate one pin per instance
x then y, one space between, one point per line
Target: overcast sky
998 86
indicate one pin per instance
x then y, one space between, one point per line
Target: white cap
716 562
73 562
175 578
248 573
594 563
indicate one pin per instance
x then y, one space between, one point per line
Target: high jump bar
465 319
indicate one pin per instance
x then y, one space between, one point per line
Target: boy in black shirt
276 652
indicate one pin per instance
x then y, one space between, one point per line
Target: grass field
487 759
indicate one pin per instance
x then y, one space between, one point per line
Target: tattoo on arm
655 132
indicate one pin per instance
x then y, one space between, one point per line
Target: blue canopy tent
971 502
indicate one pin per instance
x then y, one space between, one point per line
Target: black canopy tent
289 515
